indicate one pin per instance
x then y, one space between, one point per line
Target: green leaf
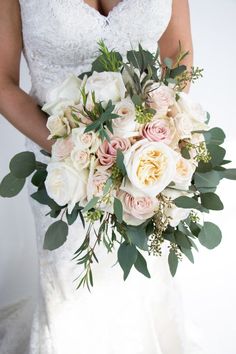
137 100
210 235
182 240
178 70
185 153
39 178
195 228
188 253
107 186
188 203
138 236
215 136
91 204
118 210
56 235
127 256
205 181
217 154
42 197
120 162
71 218
230 173
211 201
23 164
173 262
141 265
10 186
204 167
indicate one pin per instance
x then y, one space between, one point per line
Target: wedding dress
140 315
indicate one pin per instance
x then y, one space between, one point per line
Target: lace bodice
60 36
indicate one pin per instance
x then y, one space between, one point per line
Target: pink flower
137 209
157 130
161 98
108 150
62 148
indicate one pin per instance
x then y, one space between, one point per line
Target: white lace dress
139 316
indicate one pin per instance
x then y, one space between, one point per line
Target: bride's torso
60 36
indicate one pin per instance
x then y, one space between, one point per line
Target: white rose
137 206
194 110
183 125
184 173
80 158
84 140
64 185
58 126
174 213
106 86
125 126
64 95
150 166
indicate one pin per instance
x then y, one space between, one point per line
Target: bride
140 315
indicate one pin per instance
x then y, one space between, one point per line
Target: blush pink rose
161 98
108 150
62 148
137 209
157 130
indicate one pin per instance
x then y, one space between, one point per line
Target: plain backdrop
208 287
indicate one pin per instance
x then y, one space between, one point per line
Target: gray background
208 287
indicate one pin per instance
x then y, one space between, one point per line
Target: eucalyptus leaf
138 236
127 256
211 201
23 164
181 239
11 186
230 173
210 235
56 235
217 154
118 210
188 203
208 180
141 265
188 253
91 204
173 262
42 197
120 162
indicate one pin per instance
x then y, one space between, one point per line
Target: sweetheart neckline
98 14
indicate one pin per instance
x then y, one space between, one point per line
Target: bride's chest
70 29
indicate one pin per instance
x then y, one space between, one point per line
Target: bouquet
133 154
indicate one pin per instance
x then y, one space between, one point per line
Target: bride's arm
179 29
15 105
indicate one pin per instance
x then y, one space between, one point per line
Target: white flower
64 95
80 158
61 149
194 110
150 166
137 206
58 126
184 173
184 125
84 140
174 213
125 126
64 184
106 86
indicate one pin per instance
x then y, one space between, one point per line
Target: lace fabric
138 316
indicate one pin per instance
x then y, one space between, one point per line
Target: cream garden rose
150 166
106 86
184 125
184 173
80 158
